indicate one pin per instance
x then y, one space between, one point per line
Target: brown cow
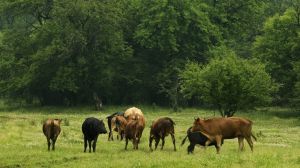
51 129
134 130
120 125
161 128
218 129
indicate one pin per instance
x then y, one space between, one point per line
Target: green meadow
22 143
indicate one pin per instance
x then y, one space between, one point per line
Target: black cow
91 128
196 138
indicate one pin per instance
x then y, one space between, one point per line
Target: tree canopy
134 51
229 83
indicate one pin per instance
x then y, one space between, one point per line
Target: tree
228 83
279 47
296 95
61 51
167 33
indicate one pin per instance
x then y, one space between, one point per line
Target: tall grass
22 143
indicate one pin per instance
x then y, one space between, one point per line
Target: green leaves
278 47
228 83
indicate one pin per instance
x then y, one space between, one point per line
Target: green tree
296 95
239 21
229 83
167 33
62 53
279 47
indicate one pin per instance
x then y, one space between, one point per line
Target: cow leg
207 143
90 144
150 142
241 143
109 136
126 143
219 142
250 142
137 143
191 148
94 144
49 144
122 135
162 142
85 144
156 142
173 140
53 143
134 142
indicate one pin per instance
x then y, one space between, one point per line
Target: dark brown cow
161 128
51 129
134 130
217 129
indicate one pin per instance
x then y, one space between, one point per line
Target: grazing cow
217 129
132 112
196 138
111 120
51 129
161 128
134 130
91 128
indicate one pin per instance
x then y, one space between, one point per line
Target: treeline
140 51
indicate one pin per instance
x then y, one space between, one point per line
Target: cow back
226 127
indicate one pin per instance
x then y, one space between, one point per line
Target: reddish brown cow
217 129
51 129
134 130
161 128
120 125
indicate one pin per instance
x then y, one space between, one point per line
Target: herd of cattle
131 123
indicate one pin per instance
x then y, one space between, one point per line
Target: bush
228 83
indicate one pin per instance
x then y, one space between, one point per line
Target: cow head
102 129
197 121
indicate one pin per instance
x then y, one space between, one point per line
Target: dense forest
230 54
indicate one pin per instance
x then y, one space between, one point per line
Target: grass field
22 143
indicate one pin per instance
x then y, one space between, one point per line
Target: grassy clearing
23 144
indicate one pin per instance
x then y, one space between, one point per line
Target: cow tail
253 136
51 128
183 141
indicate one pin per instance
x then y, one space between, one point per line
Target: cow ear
195 118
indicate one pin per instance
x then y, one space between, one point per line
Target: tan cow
51 129
132 112
218 129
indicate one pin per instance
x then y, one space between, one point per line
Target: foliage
132 51
296 95
229 83
279 47
70 52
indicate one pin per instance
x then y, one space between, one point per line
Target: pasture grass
22 143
